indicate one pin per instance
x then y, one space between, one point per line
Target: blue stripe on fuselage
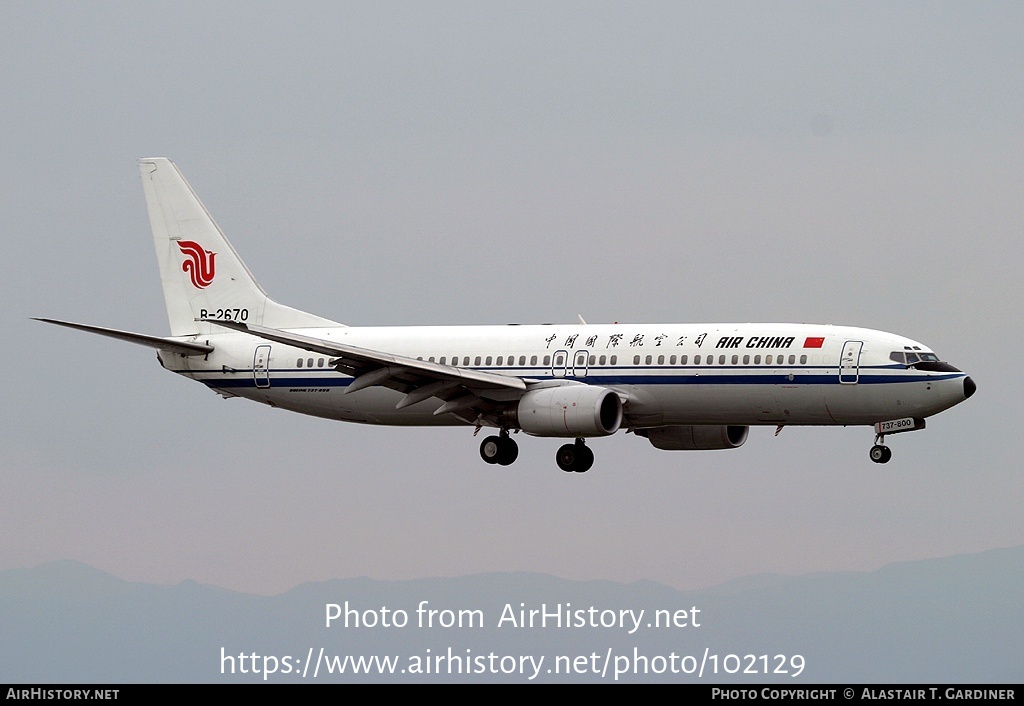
692 376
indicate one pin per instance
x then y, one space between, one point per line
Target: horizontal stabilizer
164 344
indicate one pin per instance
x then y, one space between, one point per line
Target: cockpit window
911 357
920 360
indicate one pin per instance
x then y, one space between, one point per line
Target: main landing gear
499 449
575 458
571 458
880 453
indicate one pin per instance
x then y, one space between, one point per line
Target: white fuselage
667 374
680 386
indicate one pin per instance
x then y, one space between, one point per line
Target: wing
462 389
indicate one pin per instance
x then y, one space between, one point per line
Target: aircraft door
261 366
579 364
559 363
849 363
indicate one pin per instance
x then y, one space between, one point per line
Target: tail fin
202 275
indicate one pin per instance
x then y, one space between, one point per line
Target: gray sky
471 163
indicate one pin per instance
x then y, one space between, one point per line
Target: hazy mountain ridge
955 619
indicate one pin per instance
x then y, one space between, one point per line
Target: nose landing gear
880 453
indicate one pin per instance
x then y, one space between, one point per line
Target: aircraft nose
969 387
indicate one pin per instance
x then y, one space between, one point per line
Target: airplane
680 386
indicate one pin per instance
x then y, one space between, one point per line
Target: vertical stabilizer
202 275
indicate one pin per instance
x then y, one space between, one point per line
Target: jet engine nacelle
570 411
696 438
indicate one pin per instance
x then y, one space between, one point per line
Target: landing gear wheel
566 457
575 458
586 459
509 452
880 454
490 449
499 449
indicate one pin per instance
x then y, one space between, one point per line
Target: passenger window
803 360
648 360
721 360
320 362
522 360
661 360
602 360
547 360
309 362
488 361
683 359
500 358
696 360
299 362
757 360
614 359
592 360
735 359
636 360
533 360
442 360
746 360
768 360
477 361
672 360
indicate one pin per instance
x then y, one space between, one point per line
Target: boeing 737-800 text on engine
681 386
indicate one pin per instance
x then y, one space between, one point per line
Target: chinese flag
814 342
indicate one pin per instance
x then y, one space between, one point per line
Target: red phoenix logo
198 263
